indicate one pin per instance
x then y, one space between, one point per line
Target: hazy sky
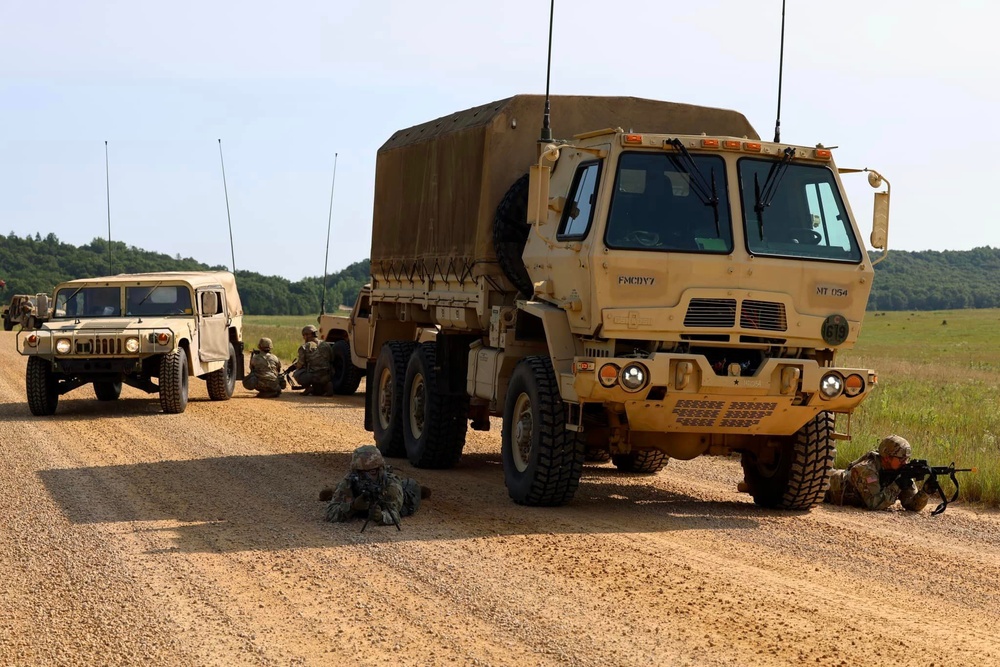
909 88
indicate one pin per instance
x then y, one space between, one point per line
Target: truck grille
735 414
763 315
711 313
99 345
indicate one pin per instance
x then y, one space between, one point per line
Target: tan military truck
18 311
132 328
662 283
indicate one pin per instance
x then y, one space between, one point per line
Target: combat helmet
264 344
367 457
309 329
894 445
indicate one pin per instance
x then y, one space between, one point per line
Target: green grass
285 332
939 387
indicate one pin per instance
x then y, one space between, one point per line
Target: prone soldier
372 490
872 481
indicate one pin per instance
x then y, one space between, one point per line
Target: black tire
345 375
42 387
174 381
8 325
387 397
799 476
222 382
510 233
597 455
434 424
542 460
646 461
107 390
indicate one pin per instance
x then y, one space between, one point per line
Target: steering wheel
806 236
643 238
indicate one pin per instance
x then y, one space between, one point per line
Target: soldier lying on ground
870 481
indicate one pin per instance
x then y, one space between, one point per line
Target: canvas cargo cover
195 279
437 185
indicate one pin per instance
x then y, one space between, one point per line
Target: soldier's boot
743 487
308 391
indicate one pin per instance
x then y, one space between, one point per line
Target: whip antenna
228 216
781 63
329 222
107 186
546 129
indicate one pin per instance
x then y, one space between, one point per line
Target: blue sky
908 88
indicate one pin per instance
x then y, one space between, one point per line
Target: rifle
365 487
918 469
287 374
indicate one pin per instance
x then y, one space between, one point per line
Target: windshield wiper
705 191
765 195
149 293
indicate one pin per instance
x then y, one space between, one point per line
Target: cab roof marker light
751 146
730 144
822 153
632 139
709 143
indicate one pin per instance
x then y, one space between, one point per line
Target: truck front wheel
798 475
222 382
542 460
387 397
345 375
42 387
436 423
174 381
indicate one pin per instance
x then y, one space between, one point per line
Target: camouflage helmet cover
264 344
367 457
894 445
309 329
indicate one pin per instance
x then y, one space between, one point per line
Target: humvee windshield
158 300
804 215
88 302
655 205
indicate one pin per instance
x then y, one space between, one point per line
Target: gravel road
132 537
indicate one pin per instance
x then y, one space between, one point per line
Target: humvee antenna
329 222
781 62
546 129
107 186
225 189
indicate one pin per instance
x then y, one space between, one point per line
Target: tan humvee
131 328
18 311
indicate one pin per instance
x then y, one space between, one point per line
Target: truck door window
579 209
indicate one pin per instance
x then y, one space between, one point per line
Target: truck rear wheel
510 233
107 390
647 461
798 476
174 381
387 397
542 461
42 387
222 382
8 325
345 375
435 423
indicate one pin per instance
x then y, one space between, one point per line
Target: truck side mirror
538 185
209 304
880 221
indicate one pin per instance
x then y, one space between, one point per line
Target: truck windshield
157 300
88 302
804 215
657 206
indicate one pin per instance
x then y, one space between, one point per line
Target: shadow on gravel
86 409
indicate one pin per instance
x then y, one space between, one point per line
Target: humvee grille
763 315
99 346
711 313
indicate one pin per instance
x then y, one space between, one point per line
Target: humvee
132 328
18 311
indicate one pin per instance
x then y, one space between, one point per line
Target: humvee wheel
42 387
542 461
647 461
8 325
435 424
345 375
799 475
597 455
174 381
222 382
107 390
387 397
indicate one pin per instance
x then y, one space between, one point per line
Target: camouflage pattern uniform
313 364
397 497
265 368
861 484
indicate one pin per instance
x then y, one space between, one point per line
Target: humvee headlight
608 375
162 338
31 340
131 345
63 346
634 377
831 385
854 385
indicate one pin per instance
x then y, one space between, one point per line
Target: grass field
939 387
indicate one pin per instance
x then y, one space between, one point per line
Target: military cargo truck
660 284
132 328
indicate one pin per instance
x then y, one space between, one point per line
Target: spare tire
510 233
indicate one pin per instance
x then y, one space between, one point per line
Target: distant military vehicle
18 311
132 328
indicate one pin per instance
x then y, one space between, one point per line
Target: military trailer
132 328
661 284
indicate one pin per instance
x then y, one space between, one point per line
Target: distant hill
35 264
937 280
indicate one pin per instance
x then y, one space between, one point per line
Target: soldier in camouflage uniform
313 364
265 371
395 497
868 482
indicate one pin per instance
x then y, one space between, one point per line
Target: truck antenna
329 222
107 186
225 189
546 129
781 62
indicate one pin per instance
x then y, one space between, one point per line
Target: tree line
937 280
37 264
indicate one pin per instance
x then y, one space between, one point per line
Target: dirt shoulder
133 537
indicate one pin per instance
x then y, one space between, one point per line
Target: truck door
359 325
213 325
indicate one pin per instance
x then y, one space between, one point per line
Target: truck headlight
131 345
831 385
634 377
63 346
